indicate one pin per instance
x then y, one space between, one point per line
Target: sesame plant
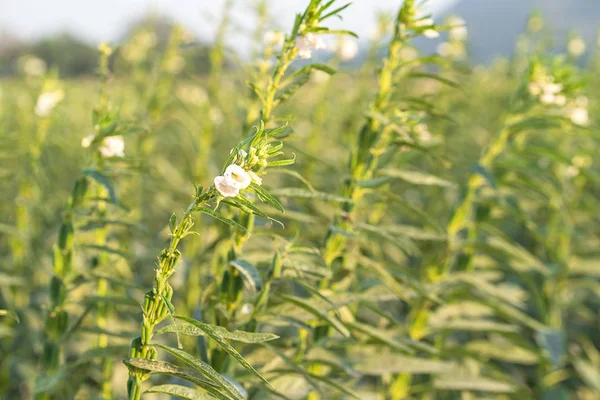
367 218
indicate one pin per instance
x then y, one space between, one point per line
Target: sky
106 20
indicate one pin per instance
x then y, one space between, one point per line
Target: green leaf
220 340
179 391
589 373
294 366
307 194
470 384
305 305
188 329
205 369
553 341
380 335
161 367
417 177
221 218
390 363
487 175
266 196
250 274
9 314
102 180
434 77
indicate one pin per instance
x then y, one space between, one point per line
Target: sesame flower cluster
110 146
549 91
246 167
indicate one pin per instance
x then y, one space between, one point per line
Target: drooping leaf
220 340
238 336
266 196
479 384
417 177
180 391
302 303
205 370
221 218
250 274
102 180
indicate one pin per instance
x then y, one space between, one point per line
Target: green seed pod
79 191
146 333
65 236
136 348
151 354
148 302
276 266
62 322
168 292
58 291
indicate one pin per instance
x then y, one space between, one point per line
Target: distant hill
494 25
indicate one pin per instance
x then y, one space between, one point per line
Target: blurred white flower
431 33
576 47
315 41
303 49
304 43
348 49
454 50
547 98
87 141
274 38
246 309
34 66
458 29
423 22
571 171
112 146
47 101
579 115
232 181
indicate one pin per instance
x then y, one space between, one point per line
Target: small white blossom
232 181
423 22
348 49
579 116
315 41
431 33
226 187
47 101
576 47
113 146
87 141
458 29
303 49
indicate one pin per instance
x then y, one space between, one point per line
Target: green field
407 227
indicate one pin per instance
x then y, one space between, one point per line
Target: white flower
315 41
304 43
239 175
552 88
47 101
423 22
87 141
408 53
458 30
571 171
431 33
560 100
274 38
547 98
303 49
576 47
226 187
579 116
348 49
113 146
232 181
